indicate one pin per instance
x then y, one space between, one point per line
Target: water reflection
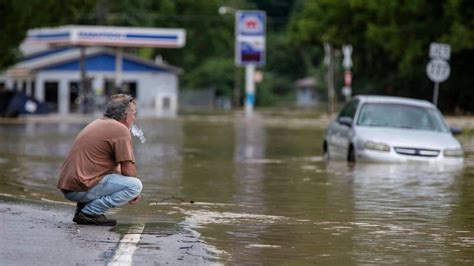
249 151
402 209
249 176
391 189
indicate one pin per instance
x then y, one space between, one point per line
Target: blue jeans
112 191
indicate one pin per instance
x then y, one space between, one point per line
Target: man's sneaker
79 207
82 218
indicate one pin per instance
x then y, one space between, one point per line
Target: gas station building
56 60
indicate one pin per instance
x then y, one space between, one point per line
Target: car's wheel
325 151
351 156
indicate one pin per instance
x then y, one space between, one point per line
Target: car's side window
349 109
353 108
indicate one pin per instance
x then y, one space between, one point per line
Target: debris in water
175 198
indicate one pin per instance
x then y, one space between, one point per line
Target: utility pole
329 61
101 11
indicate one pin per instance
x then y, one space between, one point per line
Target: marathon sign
251 23
108 36
250 37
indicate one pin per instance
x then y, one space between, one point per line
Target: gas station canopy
118 37
108 36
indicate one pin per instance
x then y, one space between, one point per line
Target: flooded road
257 191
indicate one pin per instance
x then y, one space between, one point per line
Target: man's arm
128 169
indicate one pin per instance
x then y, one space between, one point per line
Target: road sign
438 70
347 61
347 78
440 51
250 37
346 91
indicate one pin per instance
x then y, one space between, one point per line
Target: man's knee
136 186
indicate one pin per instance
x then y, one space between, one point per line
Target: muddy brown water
253 191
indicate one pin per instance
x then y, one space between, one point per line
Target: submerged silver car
391 129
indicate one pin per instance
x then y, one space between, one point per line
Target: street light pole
223 10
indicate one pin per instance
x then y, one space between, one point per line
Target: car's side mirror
456 130
345 120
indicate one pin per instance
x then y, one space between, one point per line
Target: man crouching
99 172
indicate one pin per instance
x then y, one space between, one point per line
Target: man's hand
128 169
135 200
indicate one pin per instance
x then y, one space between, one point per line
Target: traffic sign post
347 64
438 69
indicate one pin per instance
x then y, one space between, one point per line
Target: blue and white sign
250 37
109 36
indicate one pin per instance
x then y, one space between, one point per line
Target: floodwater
257 191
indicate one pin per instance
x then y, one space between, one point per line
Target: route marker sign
438 69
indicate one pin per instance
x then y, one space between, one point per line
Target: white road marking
127 246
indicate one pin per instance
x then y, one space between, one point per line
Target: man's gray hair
117 107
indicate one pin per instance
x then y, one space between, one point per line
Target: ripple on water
200 218
262 246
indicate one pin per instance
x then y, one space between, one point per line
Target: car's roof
393 99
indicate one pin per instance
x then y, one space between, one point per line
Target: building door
51 95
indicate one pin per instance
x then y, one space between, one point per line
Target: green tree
216 73
391 40
16 17
207 33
